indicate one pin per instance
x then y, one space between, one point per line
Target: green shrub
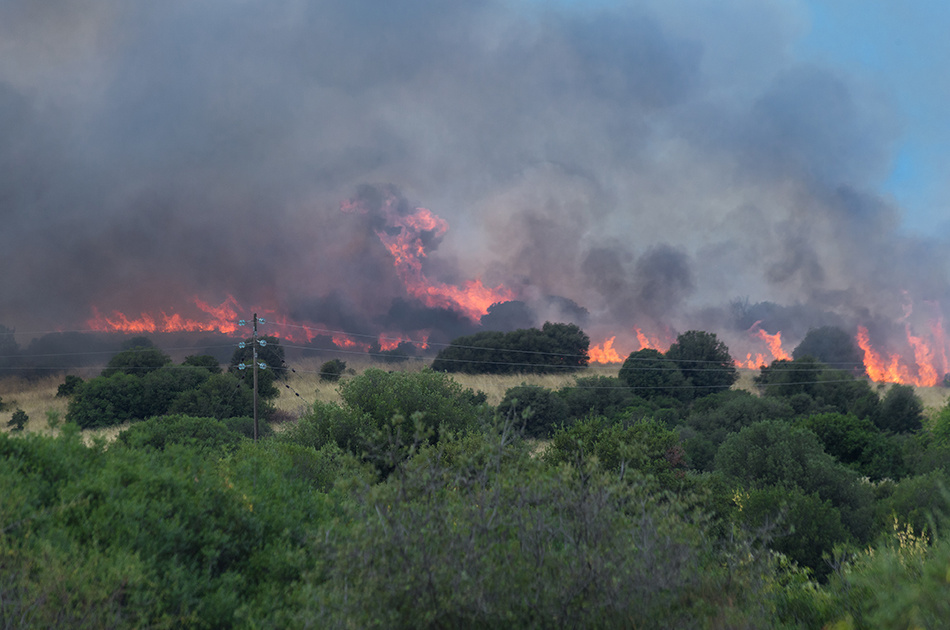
598 396
770 453
538 411
137 361
18 420
651 375
383 395
553 348
219 396
643 445
332 370
69 386
107 400
901 411
159 432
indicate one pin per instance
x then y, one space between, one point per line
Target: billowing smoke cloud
650 162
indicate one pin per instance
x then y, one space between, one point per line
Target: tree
220 396
811 387
598 396
68 386
137 361
713 418
205 361
18 420
332 370
651 375
901 411
271 353
553 348
833 347
705 362
857 443
107 400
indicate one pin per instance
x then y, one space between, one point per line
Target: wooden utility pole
254 358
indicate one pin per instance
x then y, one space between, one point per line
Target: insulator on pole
242 345
241 366
242 322
263 342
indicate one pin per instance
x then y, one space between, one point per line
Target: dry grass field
37 397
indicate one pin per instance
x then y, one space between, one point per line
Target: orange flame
754 361
652 343
407 246
605 352
223 319
893 368
391 341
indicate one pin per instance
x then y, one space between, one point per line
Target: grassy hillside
37 397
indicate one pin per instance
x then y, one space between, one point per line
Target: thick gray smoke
652 162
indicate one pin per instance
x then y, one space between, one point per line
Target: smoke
648 162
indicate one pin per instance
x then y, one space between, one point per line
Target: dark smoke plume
650 162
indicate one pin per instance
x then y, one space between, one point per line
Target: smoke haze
661 165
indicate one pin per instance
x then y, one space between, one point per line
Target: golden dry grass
37 397
306 381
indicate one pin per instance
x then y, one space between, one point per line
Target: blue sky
904 48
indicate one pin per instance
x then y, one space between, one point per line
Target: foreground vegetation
651 497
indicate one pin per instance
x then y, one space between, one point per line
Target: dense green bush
219 396
552 349
107 400
518 543
713 418
901 411
811 388
386 416
643 445
901 582
332 370
705 361
205 361
651 375
137 361
159 432
858 443
68 386
538 411
770 453
598 396
384 395
922 502
802 526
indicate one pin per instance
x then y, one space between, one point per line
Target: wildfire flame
605 352
927 365
223 319
405 237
